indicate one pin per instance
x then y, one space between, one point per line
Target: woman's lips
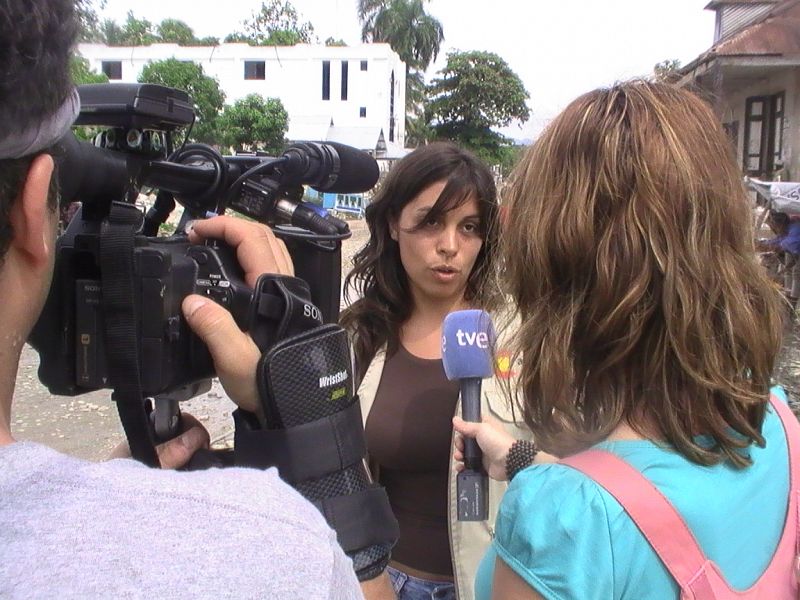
445 274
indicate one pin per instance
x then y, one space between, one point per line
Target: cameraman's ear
31 218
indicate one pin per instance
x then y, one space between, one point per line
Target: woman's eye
471 228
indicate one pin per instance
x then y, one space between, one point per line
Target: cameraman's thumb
234 353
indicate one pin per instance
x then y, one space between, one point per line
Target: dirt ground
87 426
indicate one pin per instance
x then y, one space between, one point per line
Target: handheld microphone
467 341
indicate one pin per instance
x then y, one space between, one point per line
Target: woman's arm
495 442
507 585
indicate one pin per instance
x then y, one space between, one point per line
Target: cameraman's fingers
282 255
257 249
234 353
175 453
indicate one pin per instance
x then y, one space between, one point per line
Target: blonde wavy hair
629 252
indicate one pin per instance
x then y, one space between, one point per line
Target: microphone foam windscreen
468 338
358 171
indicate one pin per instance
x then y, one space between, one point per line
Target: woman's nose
448 241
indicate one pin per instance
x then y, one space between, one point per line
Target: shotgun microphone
468 338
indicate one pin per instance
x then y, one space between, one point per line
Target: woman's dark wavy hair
378 279
631 261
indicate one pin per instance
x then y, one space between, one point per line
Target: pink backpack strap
792 430
647 507
655 516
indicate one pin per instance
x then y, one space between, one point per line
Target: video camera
113 316
117 288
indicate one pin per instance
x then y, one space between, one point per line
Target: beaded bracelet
520 455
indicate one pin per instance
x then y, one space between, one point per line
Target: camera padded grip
315 437
281 308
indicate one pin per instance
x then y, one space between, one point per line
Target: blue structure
353 204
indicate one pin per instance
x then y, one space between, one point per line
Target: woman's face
438 257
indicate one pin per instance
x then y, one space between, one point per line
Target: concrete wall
293 74
733 109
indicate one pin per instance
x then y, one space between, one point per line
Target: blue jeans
408 587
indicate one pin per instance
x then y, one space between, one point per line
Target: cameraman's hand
174 453
234 352
257 249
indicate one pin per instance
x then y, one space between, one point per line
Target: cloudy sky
559 48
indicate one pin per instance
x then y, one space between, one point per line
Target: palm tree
405 26
413 34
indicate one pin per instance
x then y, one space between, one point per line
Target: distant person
431 250
648 337
787 243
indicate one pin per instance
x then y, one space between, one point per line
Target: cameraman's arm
234 352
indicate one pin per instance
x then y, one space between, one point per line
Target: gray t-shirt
75 529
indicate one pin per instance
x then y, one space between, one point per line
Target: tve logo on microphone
467 342
473 338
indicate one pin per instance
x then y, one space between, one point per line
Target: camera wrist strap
122 343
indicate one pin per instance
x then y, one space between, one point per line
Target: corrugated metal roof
734 17
716 3
777 34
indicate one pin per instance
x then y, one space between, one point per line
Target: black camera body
166 270
79 331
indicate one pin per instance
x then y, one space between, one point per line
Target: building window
344 79
362 112
363 65
326 80
112 69
391 107
763 135
255 69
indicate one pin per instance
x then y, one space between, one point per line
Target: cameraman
80 529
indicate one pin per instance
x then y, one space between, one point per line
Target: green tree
89 22
416 37
175 31
137 32
81 73
255 123
667 71
475 92
204 91
112 33
418 131
331 41
276 24
406 27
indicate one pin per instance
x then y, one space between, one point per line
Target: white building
330 92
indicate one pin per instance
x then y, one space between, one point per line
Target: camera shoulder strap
120 314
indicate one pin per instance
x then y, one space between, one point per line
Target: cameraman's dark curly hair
36 39
378 279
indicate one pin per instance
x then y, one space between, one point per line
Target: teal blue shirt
569 538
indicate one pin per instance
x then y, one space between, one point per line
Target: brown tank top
408 433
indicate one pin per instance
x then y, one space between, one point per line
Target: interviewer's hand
175 453
234 353
494 441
